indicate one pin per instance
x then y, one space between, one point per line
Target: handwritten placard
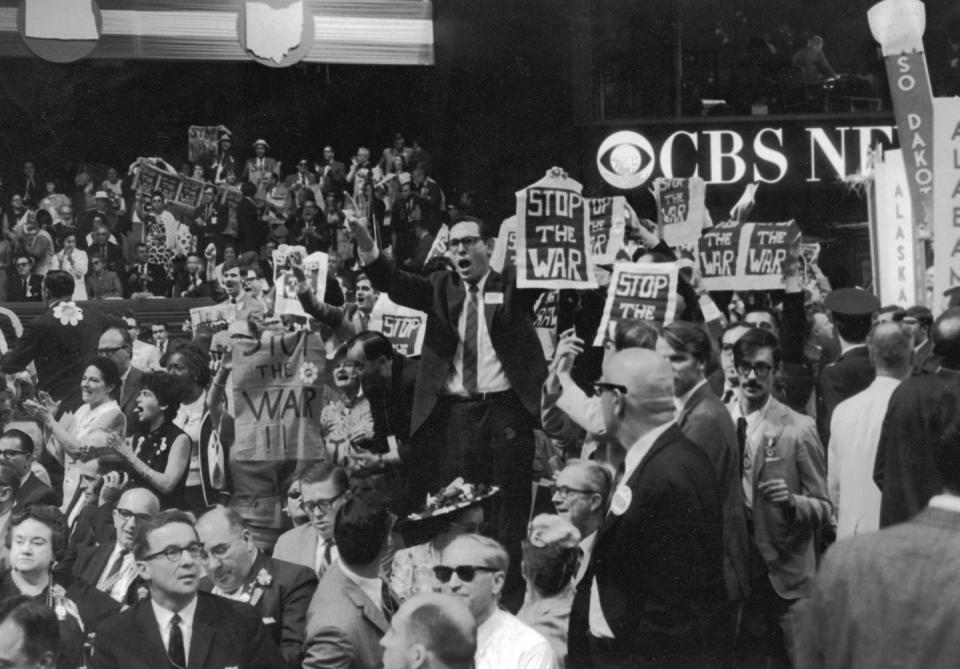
285 282
545 321
747 256
606 227
214 314
639 292
176 189
404 327
505 248
681 207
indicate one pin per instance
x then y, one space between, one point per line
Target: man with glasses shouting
322 489
783 473
177 626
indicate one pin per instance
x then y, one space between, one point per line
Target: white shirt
945 502
599 627
755 422
854 435
490 375
165 617
371 587
586 546
503 642
321 549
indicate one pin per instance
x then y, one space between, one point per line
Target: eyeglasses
11 453
465 242
600 387
761 369
321 506
109 349
564 491
175 553
23 264
127 514
465 572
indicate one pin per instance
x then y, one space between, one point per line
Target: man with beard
279 590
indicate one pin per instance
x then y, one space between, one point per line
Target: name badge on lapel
621 500
493 298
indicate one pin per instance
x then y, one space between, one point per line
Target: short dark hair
774 316
895 309
361 529
754 339
631 333
141 540
687 337
946 338
197 359
38 624
50 516
59 284
10 477
324 471
373 344
453 646
486 231
167 389
853 328
922 314
23 254
108 371
26 441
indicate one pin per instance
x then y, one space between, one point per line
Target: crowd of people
669 499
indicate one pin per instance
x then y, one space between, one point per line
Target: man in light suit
232 291
351 609
785 492
666 514
279 590
177 626
892 598
117 345
313 545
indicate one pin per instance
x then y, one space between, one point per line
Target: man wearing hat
852 372
224 162
260 166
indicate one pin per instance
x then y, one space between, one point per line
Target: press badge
493 298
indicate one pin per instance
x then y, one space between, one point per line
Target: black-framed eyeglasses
566 491
761 369
23 264
600 387
175 553
321 506
465 242
465 572
10 453
127 514
107 350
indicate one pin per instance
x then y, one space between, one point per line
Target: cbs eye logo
625 159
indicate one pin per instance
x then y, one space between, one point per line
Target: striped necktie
470 340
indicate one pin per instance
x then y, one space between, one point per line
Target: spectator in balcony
333 173
53 200
813 62
25 286
73 261
101 283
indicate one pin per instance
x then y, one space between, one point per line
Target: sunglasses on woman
465 572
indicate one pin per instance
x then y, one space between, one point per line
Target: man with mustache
783 473
280 591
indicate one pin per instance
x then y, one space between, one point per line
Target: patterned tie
470 341
175 651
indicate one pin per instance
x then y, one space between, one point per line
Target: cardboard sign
545 321
680 210
285 283
607 224
639 291
505 249
215 314
747 256
176 189
553 235
892 232
404 327
278 396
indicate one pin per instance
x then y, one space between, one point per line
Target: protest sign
606 227
946 197
680 210
439 247
892 232
747 256
553 235
214 314
203 142
505 249
285 283
404 327
545 321
639 291
277 396
176 189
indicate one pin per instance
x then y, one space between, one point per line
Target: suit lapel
370 611
203 633
130 386
456 295
692 402
769 435
149 642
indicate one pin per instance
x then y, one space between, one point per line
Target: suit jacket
250 168
34 491
335 179
298 546
251 231
112 256
91 528
905 470
788 545
128 397
59 351
441 296
283 603
15 292
850 374
343 626
672 531
90 565
225 634
924 361
706 422
868 610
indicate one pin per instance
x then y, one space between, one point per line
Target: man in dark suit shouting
477 395
665 520
280 591
177 626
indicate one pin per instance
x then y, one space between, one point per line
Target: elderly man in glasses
474 568
111 567
177 626
280 591
783 473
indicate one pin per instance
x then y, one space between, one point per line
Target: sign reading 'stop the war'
747 256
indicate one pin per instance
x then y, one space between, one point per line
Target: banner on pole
893 232
639 292
439 247
404 327
747 256
277 396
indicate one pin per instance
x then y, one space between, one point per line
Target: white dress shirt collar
165 616
945 502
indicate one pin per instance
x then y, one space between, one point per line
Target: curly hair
167 389
196 359
50 516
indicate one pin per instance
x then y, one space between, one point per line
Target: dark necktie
327 558
175 650
470 341
233 300
115 567
26 287
742 441
727 396
387 602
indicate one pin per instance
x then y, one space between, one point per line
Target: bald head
946 338
140 499
891 349
443 628
637 395
135 506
